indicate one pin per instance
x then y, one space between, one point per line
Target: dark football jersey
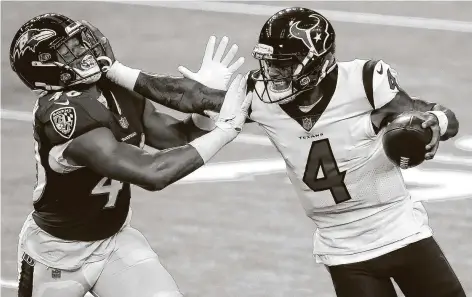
70 201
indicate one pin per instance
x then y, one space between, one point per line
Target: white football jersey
335 160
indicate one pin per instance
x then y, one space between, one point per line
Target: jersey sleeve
65 122
58 162
380 82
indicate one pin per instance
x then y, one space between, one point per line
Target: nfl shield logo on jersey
307 123
56 273
63 120
124 123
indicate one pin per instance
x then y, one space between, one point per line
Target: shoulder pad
69 115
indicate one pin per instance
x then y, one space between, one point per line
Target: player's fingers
211 114
429 155
247 102
242 87
231 97
230 55
430 120
234 84
434 138
221 49
243 82
210 48
186 73
92 28
239 62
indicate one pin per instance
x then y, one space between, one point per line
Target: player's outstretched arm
101 152
179 93
195 92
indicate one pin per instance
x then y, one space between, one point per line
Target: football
404 140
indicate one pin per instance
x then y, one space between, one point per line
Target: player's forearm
175 163
99 151
172 165
185 132
152 171
178 93
127 163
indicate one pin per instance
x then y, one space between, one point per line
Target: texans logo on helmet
30 39
319 48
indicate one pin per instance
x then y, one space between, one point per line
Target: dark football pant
420 270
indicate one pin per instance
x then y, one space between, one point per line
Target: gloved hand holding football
411 138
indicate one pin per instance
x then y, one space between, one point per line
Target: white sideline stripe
253 139
452 160
464 143
9 284
16 115
333 15
28 117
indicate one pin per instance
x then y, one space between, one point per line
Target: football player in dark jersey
326 116
88 138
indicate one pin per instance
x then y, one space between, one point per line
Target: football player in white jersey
326 119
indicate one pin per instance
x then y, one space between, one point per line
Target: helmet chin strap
48 87
308 57
86 77
39 92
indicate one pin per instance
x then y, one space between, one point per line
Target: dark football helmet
295 52
54 52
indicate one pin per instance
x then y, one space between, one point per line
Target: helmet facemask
287 75
77 57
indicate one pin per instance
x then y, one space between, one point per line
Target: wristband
442 120
209 144
123 75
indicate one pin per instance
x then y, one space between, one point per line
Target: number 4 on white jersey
112 190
